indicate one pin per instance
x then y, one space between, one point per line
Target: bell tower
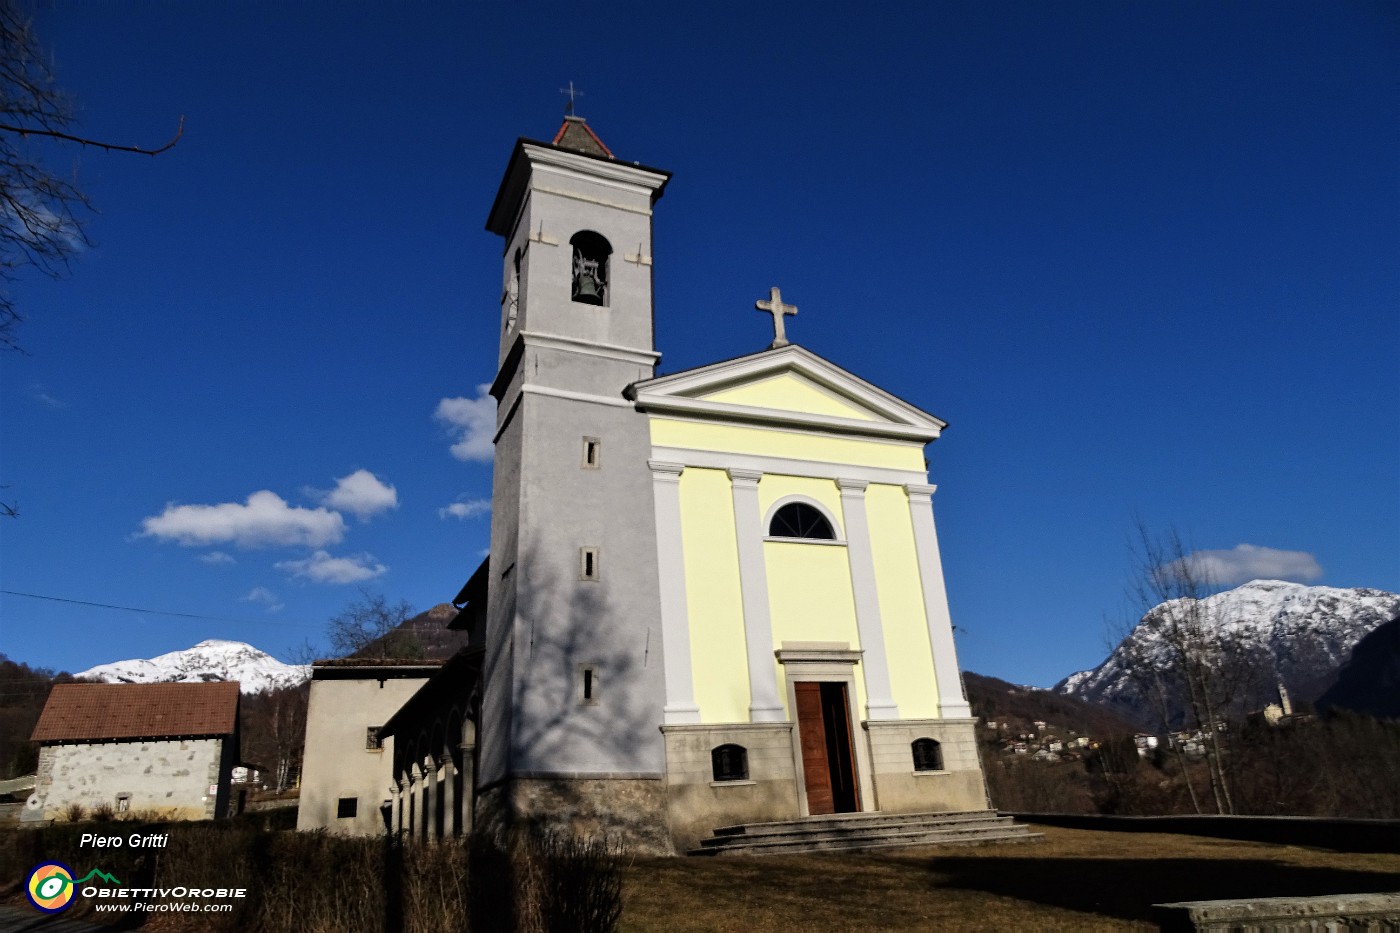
573 670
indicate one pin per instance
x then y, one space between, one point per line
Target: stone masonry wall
167 779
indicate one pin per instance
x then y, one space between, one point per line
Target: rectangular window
588 683
346 807
592 453
372 739
588 558
123 803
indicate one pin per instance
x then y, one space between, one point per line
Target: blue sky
1142 257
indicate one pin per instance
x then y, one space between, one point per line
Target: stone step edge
865 830
731 842
874 818
794 849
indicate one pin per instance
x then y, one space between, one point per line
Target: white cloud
320 567
1245 562
464 510
217 557
472 421
41 395
264 596
265 520
361 493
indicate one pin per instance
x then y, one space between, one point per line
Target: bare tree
370 627
39 209
1187 664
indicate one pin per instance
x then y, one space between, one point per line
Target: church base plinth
899 788
629 813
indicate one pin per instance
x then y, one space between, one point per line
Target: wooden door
811 733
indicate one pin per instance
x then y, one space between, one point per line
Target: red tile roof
92 712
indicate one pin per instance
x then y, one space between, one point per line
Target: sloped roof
89 712
574 134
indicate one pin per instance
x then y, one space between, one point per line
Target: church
713 597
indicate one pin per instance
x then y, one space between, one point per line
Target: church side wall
912 681
167 779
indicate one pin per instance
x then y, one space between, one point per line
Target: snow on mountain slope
212 660
1305 632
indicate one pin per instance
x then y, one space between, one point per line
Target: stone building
346 765
713 596
166 751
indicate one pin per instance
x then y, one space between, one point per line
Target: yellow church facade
809 660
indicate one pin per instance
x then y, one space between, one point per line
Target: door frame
827 662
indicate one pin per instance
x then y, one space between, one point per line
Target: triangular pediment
786 386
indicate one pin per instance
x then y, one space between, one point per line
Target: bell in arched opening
590 278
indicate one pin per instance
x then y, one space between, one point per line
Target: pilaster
675 617
764 705
951 702
875 666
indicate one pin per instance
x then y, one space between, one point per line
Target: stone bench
1332 914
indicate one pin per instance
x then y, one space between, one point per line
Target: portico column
952 703
411 823
430 779
449 794
875 665
675 616
753 585
396 806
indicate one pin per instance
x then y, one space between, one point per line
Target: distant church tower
573 667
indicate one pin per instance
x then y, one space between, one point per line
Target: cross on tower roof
572 92
774 306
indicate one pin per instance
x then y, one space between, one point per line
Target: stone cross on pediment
774 306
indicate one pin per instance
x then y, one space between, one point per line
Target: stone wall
697 803
625 811
166 779
901 789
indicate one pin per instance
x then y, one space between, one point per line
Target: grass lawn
1074 880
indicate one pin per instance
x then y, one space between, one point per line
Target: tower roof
575 135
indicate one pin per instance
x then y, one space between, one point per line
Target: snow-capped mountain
1300 635
211 660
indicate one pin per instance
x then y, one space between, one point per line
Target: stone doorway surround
827 662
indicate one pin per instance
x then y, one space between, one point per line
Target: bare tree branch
85 141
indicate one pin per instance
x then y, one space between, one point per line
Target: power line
155 612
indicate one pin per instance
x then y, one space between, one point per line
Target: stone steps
866 831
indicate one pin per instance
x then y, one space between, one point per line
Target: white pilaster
875 666
951 702
675 616
753 585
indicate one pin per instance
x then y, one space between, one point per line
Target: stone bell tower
573 668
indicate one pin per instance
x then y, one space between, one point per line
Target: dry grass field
1074 880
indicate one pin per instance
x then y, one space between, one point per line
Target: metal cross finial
774 306
570 90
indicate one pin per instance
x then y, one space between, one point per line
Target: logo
51 886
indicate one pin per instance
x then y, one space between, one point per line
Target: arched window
590 283
513 293
928 755
800 520
730 763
